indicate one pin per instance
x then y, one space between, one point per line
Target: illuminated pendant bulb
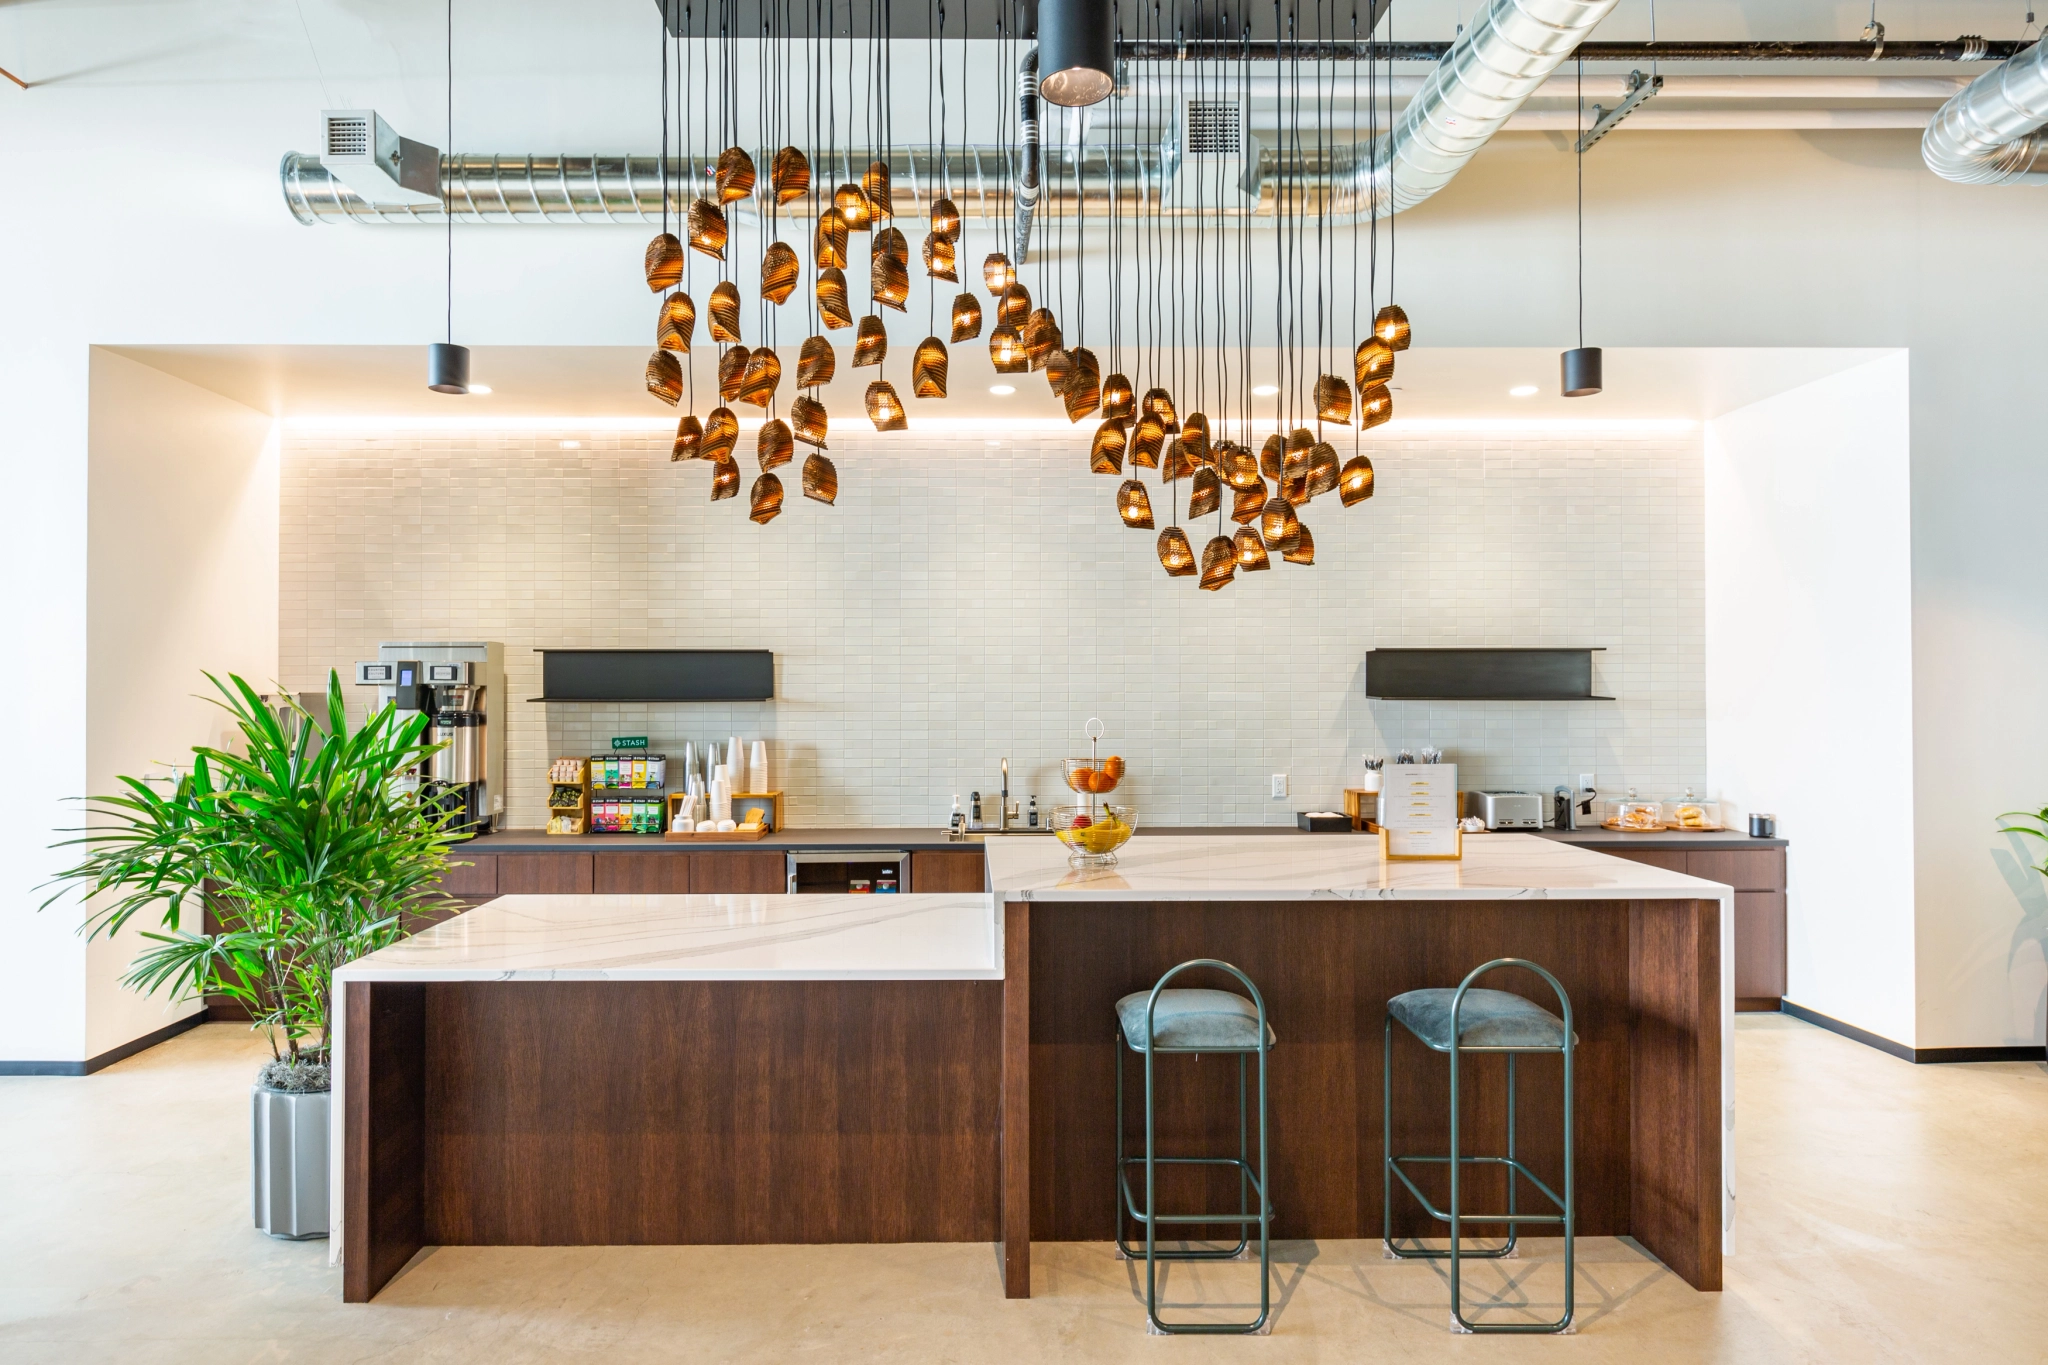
870 342
853 207
732 373
821 479
1106 451
1083 393
1013 306
725 479
735 175
1148 439
1322 469
889 281
1219 563
789 175
1374 363
665 377
763 373
807 421
832 307
946 220
928 369
1159 403
875 186
1374 411
678 323
707 229
1176 556
1390 325
779 270
816 362
1238 466
966 318
664 262
721 434
1333 399
1247 503
1006 352
765 502
724 308
1205 493
1278 526
775 446
885 409
689 439
1303 551
1117 398
829 246
1251 551
1354 485
1272 455
940 258
1134 505
997 274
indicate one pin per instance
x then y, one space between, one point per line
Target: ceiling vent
362 152
1210 158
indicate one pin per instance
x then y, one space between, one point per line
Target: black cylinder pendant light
447 363
1581 372
447 367
1076 51
1579 368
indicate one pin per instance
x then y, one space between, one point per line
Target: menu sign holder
1419 814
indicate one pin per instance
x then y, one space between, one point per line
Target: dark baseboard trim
110 1056
1923 1056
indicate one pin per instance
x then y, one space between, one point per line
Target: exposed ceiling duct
1991 133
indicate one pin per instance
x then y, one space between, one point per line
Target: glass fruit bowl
1093 836
1093 777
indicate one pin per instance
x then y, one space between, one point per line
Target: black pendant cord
1393 214
447 197
1579 165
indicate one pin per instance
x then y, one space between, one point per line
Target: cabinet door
1649 857
758 874
1759 947
1745 869
641 874
948 870
544 874
479 878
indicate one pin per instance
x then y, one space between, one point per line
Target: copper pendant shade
1354 484
765 502
1176 556
763 373
832 307
1376 410
807 421
664 262
1159 403
1322 469
775 446
829 246
853 207
789 175
997 274
735 176
721 434
1006 352
665 377
1390 325
1333 399
678 322
1374 364
1134 505
724 309
779 270
1272 455
1294 486
885 409
1148 439
890 242
821 479
1117 398
870 342
940 259
1194 439
1247 503
1205 493
1059 367
966 317
928 369
1303 551
1278 526
1219 563
1041 336
732 372
875 185
1013 306
725 479
1106 451
1251 551
1083 393
815 362
946 220
1174 464
889 282
707 229
1238 466
689 439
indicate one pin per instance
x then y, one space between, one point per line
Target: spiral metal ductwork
1991 133
1028 168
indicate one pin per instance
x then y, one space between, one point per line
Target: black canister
1763 826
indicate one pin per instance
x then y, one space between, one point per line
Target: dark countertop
1605 839
916 840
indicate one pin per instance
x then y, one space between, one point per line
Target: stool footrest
1244 1168
1394 1164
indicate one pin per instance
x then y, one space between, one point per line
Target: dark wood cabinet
948 870
758 874
1758 876
1670 862
642 874
1745 869
543 874
470 874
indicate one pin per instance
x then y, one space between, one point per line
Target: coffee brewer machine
460 689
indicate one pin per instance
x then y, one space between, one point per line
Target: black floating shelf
643 675
1481 675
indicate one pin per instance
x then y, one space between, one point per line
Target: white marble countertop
1169 867
949 937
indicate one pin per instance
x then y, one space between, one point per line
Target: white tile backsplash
966 601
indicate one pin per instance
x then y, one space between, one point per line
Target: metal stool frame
1391 1165
1151 1218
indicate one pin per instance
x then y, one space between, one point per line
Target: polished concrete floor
1887 1213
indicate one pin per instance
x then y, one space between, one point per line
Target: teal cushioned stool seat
1194 1021
1487 1019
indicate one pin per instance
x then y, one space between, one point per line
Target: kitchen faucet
1006 809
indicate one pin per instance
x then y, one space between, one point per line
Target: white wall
1809 642
181 577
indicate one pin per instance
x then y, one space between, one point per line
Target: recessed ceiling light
1002 390
1266 390
995 443
572 445
479 388
1522 391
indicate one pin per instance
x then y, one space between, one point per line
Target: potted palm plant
309 852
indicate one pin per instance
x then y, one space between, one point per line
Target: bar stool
1159 1021
1468 1020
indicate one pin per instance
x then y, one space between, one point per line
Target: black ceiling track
1952 50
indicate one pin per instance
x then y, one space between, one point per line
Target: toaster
1503 810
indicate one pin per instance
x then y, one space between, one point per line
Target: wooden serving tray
735 836
1636 829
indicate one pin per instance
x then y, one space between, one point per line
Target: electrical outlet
1585 781
1279 785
